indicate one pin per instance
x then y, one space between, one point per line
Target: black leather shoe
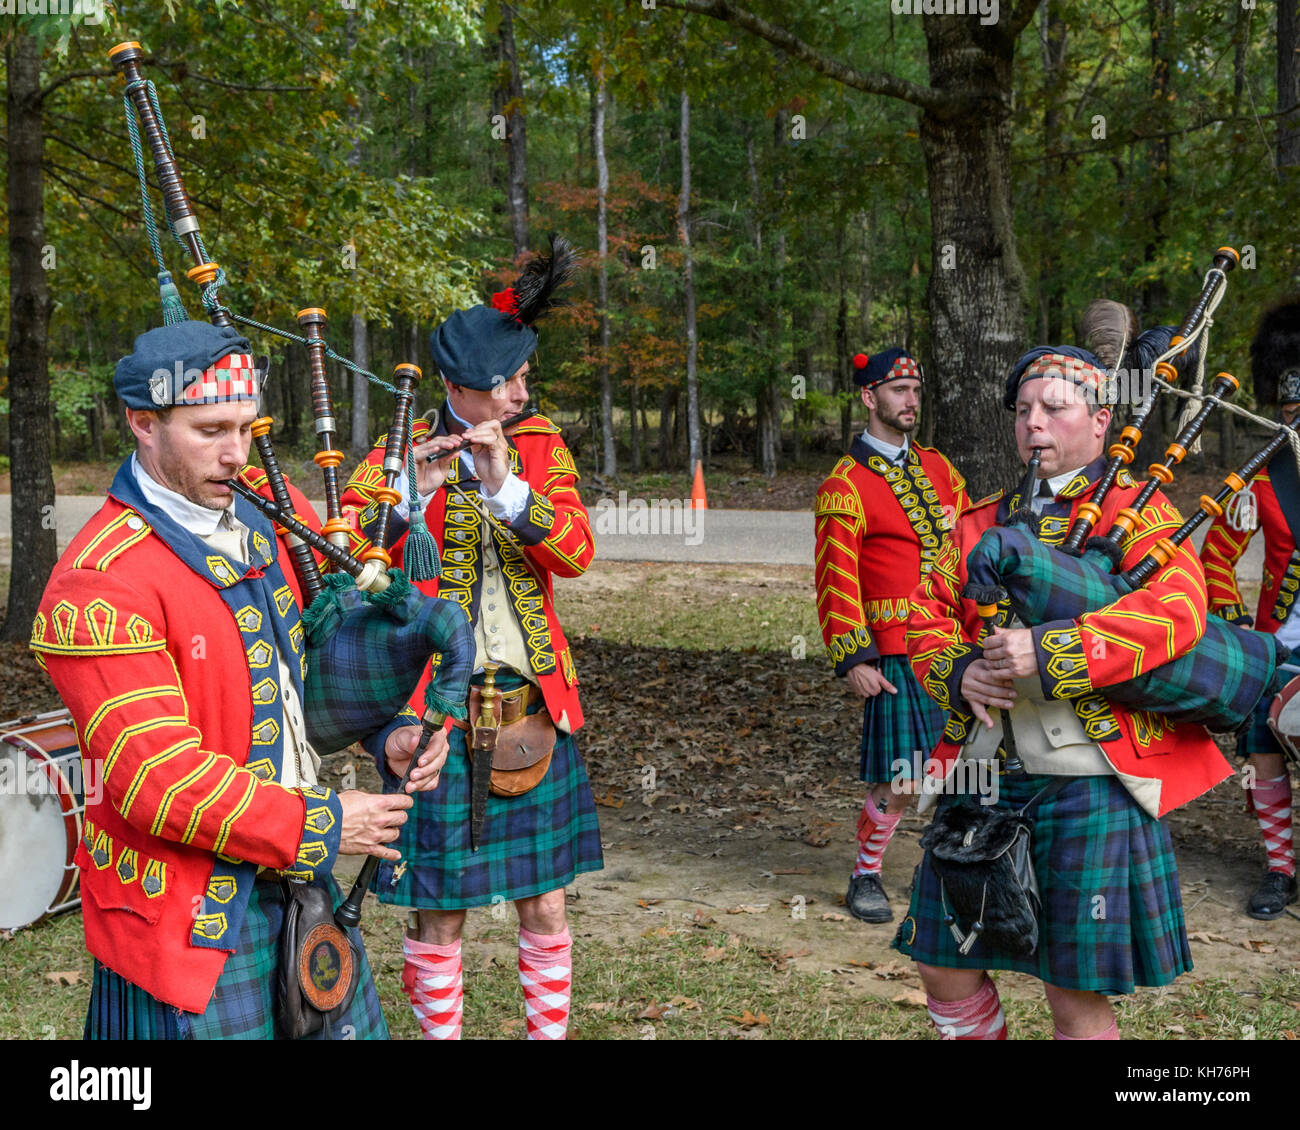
1275 893
867 900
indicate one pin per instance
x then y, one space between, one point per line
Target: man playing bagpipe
1275 369
1096 776
881 515
514 817
172 632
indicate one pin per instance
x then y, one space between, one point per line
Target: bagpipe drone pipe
370 633
1219 681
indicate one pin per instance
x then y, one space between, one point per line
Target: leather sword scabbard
483 747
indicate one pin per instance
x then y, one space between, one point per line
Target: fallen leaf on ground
833 916
703 920
748 908
911 998
1205 936
609 800
683 1002
645 904
600 1006
65 977
714 953
1258 946
749 1020
653 1011
893 971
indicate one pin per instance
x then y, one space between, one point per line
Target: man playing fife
1112 913
881 515
506 517
1275 369
172 632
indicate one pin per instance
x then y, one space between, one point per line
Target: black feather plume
1142 352
543 275
1275 349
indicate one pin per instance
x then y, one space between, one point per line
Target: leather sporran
319 965
521 747
523 754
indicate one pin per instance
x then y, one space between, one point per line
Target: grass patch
700 608
669 983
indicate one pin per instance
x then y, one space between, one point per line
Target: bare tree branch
869 83
169 64
70 76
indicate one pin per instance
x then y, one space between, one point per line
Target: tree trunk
667 410
516 134
360 386
770 444
1051 180
976 315
634 398
1158 190
842 363
1288 85
610 467
360 333
35 543
695 453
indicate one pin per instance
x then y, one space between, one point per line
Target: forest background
761 192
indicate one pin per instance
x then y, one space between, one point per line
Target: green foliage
305 131
72 394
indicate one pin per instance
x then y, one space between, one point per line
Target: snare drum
1284 718
41 807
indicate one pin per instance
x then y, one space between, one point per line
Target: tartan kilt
1255 736
1112 914
903 727
531 844
243 1004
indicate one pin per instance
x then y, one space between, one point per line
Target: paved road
637 533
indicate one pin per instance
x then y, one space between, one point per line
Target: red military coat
878 528
1223 549
169 685
1137 632
553 531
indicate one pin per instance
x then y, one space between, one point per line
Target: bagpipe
1218 682
370 633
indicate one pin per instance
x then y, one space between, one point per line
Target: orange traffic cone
699 500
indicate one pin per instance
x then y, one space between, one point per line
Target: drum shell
1284 717
42 805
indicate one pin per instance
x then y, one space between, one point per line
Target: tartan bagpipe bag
366 652
1216 684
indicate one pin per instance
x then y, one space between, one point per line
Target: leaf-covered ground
727 788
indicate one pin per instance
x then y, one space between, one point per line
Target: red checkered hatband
903 368
1073 369
233 377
